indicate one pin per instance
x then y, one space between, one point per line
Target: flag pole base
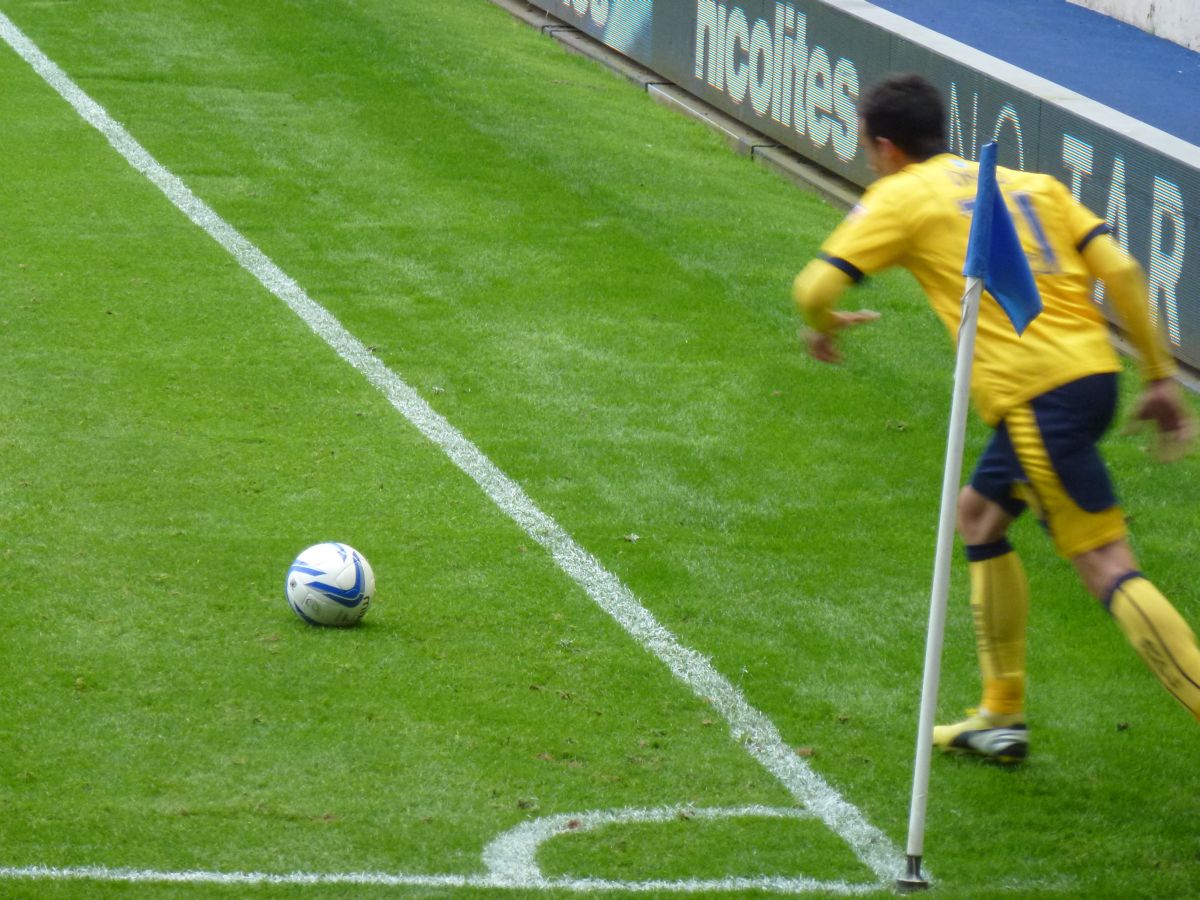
912 880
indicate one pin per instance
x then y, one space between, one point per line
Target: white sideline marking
774 885
510 860
747 725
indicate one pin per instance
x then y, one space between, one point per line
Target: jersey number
1048 263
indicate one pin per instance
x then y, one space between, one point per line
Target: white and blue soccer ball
330 584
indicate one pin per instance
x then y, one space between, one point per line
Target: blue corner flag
994 251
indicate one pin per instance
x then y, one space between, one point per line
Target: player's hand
1162 405
822 345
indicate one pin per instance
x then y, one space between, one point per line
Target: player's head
902 113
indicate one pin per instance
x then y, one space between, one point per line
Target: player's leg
999 607
1153 626
1055 438
999 602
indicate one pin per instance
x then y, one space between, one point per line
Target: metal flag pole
913 880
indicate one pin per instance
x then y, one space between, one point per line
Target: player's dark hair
908 111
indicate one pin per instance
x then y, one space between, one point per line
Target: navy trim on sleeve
855 273
1102 228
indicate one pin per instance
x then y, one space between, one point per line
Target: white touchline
511 861
747 725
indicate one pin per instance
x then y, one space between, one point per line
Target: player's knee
1105 567
980 520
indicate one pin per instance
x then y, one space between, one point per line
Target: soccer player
1049 394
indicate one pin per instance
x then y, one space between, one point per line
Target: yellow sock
1160 635
1000 608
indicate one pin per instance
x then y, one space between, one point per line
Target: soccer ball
330 584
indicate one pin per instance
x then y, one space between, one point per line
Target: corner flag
995 260
994 251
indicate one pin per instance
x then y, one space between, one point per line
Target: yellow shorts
1044 455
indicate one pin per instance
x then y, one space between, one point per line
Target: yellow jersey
919 218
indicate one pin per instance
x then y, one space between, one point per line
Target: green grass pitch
594 291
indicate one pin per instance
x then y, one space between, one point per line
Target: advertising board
793 70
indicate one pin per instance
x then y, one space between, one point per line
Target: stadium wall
1174 20
792 70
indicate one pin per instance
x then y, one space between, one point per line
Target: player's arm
872 237
1125 288
816 291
